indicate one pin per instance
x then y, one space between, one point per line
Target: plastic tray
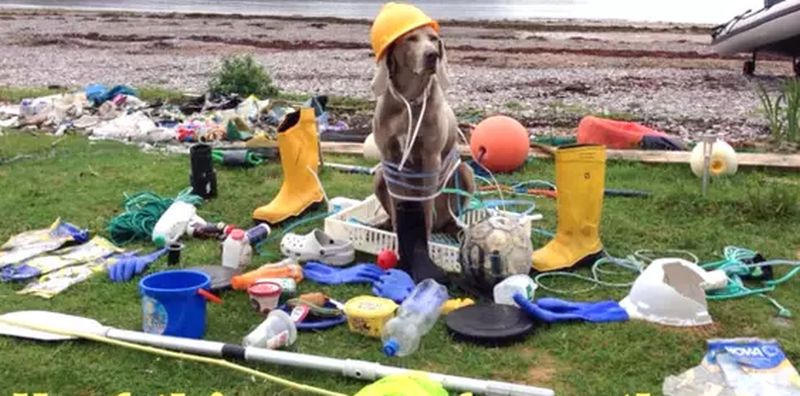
352 224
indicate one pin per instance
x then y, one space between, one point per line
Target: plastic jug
505 290
172 224
415 318
236 251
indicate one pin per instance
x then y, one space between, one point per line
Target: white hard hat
670 292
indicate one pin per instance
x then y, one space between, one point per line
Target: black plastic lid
489 324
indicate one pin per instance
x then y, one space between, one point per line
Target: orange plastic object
613 134
243 281
209 296
500 144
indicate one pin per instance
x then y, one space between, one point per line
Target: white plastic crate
350 224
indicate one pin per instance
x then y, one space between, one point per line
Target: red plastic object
500 144
613 134
387 259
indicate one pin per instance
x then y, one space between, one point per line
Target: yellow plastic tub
367 314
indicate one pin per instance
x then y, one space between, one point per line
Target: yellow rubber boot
580 182
298 145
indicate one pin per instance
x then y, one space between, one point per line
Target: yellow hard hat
395 20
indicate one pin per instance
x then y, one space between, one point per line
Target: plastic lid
264 289
489 324
237 234
160 241
369 307
390 347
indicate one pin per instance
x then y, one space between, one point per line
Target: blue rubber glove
127 266
18 272
327 275
553 310
394 284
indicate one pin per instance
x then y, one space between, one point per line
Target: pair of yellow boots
580 180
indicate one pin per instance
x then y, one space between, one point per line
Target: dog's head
420 51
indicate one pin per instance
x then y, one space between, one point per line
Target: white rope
413 135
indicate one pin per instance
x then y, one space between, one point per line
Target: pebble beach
547 73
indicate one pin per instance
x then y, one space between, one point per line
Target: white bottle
172 224
505 290
415 317
236 250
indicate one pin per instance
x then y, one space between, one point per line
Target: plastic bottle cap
160 241
237 234
390 347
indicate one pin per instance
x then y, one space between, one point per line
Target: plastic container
174 253
367 314
288 286
264 296
288 269
172 224
277 331
505 290
173 303
415 318
236 251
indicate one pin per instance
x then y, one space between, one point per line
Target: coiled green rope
141 213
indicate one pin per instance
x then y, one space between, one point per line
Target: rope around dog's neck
397 176
412 134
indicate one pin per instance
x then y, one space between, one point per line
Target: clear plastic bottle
415 318
172 224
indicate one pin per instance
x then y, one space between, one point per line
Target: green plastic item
234 134
404 385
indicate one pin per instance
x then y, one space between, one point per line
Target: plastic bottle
172 224
257 234
415 317
505 290
218 230
285 269
236 251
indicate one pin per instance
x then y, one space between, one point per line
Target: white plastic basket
350 224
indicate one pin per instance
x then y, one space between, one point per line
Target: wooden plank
656 157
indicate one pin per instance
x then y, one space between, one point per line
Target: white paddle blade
14 324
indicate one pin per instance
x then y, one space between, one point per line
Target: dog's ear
383 76
442 74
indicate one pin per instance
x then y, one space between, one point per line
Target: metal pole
708 144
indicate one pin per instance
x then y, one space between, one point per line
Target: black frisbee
489 324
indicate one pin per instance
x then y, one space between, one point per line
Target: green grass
85 181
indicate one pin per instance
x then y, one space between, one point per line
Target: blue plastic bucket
171 304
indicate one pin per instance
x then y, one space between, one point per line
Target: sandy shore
547 73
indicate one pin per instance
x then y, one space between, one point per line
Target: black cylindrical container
202 177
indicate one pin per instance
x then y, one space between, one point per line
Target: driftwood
656 157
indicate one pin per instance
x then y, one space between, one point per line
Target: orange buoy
500 144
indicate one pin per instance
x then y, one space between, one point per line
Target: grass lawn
84 183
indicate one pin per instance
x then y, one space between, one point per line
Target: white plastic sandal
318 246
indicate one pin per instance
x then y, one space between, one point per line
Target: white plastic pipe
358 369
